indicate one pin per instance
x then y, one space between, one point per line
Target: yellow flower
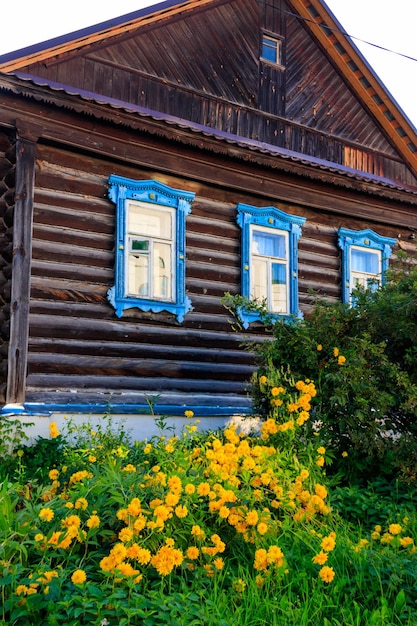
79 577
46 514
321 450
406 541
134 507
335 351
239 585
166 559
395 529
189 489
71 520
107 564
171 499
48 576
344 454
252 518
92 458
81 503
328 543
93 521
21 590
321 491
262 528
53 430
224 512
319 347
39 537
147 449
320 461
263 380
189 414
181 511
129 468
341 360
53 474
261 560
125 535
175 484
275 556
203 489
198 532
192 553
218 563
327 574
320 558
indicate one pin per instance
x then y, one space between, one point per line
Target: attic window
271 51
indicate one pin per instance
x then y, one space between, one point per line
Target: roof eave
15 60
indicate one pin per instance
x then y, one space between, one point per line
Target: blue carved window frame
369 240
273 218
121 191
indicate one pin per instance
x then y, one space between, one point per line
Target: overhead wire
345 34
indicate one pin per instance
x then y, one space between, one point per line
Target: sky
382 23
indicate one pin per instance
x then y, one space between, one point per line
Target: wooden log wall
7 184
77 342
79 351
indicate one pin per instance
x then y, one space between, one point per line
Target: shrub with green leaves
362 359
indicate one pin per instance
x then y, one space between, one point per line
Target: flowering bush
367 392
141 533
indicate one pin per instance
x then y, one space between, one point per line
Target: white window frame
153 241
269 261
364 240
156 197
271 219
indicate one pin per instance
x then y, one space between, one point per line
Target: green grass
121 482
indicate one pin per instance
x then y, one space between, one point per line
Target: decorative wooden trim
21 265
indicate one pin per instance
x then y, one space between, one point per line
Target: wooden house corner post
21 266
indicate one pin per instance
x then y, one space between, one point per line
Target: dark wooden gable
204 66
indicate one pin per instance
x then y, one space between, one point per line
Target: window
271 50
150 246
365 257
269 259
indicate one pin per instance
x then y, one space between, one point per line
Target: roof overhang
14 61
134 116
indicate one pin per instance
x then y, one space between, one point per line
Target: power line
345 34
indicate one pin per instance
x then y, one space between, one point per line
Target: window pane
365 261
162 271
270 49
365 282
279 288
271 245
259 279
150 222
138 282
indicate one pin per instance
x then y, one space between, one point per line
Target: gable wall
205 68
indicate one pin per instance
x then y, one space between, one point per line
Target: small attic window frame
272 49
